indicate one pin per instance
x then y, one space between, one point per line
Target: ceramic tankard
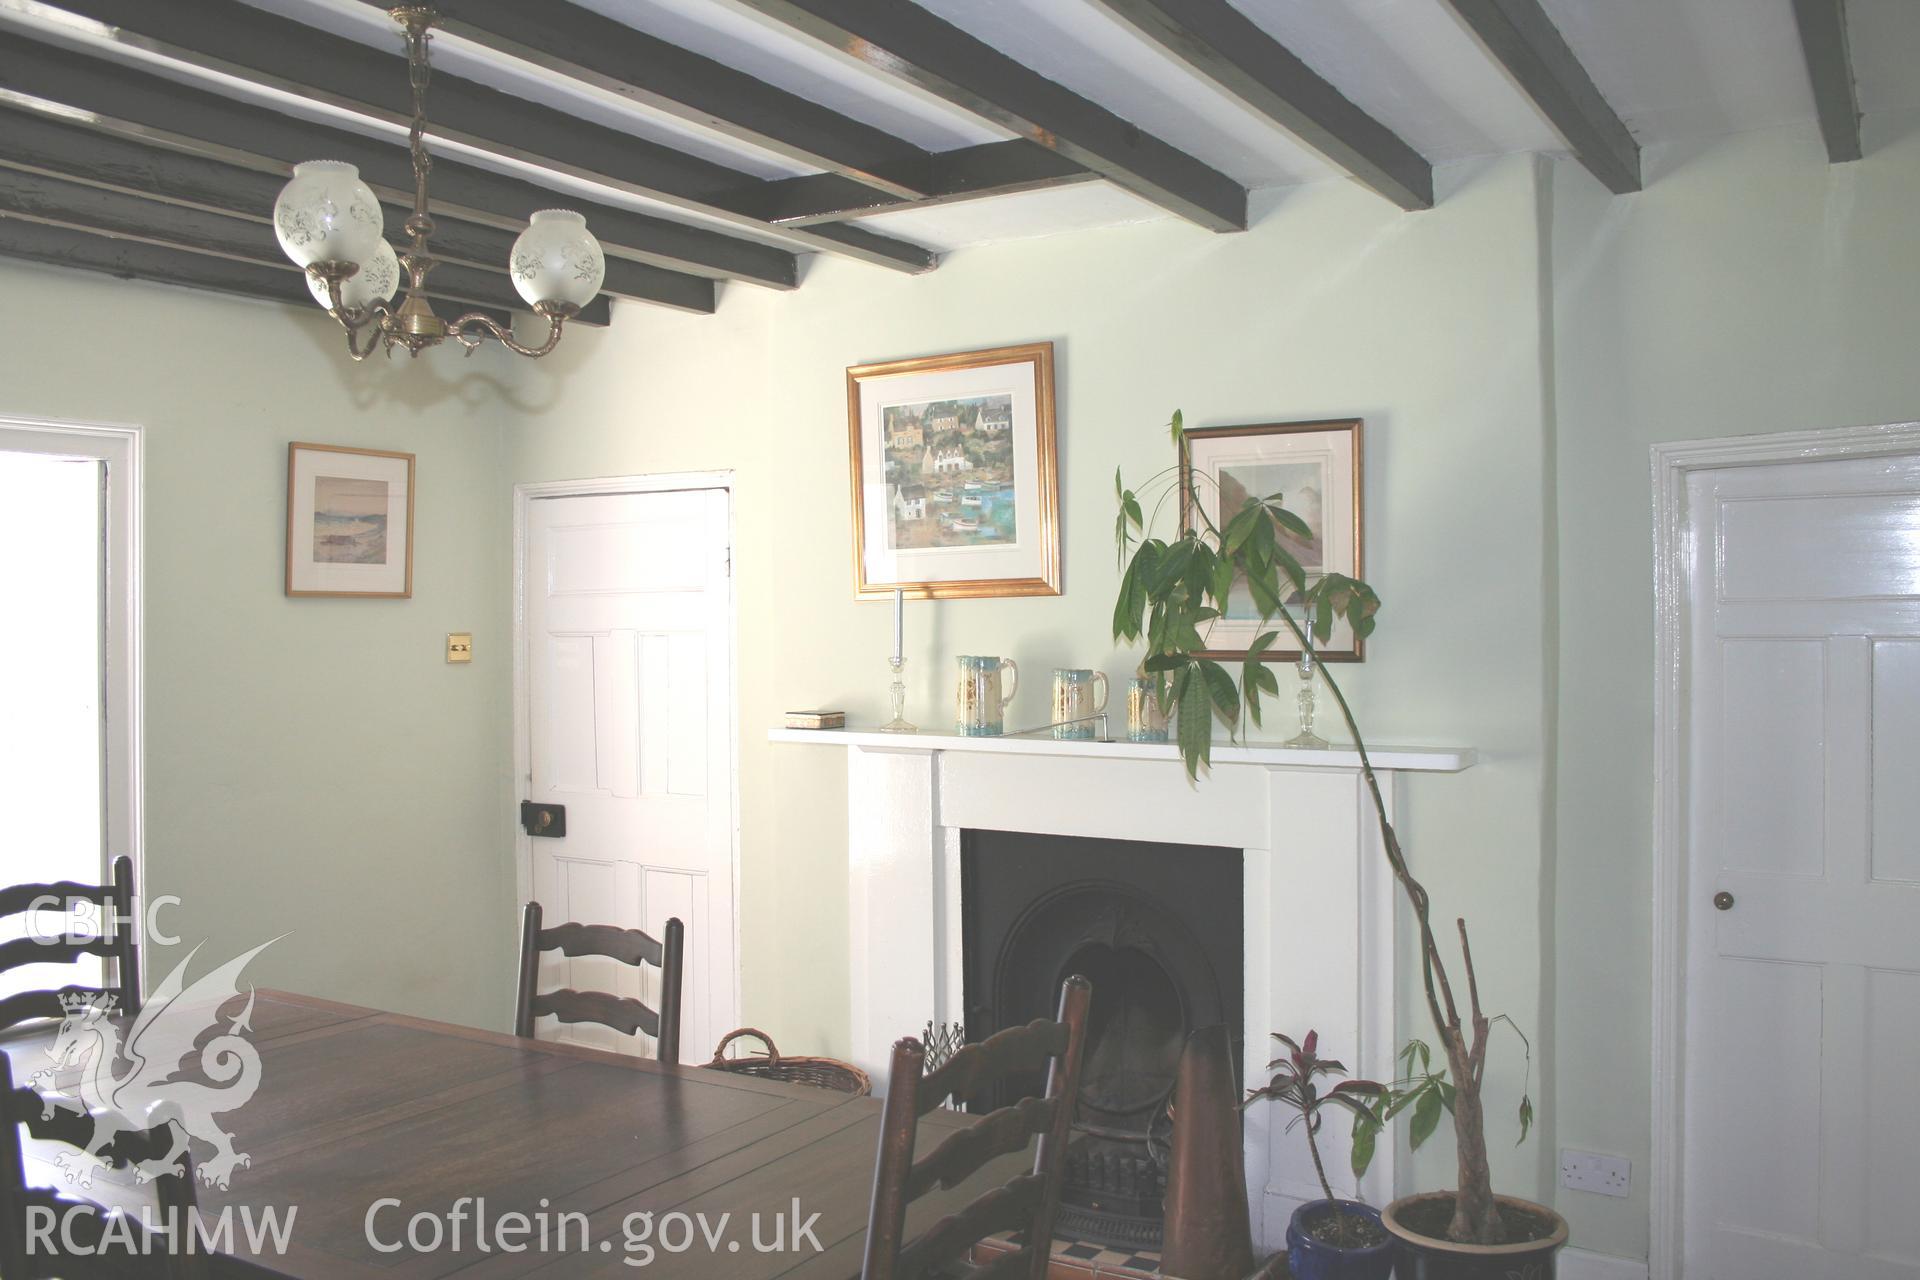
1146 722
979 705
1078 696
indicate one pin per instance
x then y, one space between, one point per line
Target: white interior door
1802 1131
629 683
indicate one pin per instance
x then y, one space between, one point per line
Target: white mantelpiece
1319 903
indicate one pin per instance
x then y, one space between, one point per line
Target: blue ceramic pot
1311 1259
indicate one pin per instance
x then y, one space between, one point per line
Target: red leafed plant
1294 1086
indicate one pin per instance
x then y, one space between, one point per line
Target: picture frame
955 474
349 522
1323 462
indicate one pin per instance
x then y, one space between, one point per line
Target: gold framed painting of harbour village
955 478
349 522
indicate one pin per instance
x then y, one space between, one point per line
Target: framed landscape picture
349 522
956 487
1314 470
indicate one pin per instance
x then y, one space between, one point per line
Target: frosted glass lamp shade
556 259
376 281
326 214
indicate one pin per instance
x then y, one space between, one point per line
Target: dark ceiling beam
137 260
908 43
864 170
278 54
968 173
1823 39
120 101
62 150
1524 40
581 45
55 202
1228 48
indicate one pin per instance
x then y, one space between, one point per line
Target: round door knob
545 820
1723 901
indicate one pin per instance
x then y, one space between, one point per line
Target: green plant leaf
1426 1118
1176 427
1131 505
1291 567
1226 698
1526 1117
1292 523
1366 1132
1222 585
1196 721
1126 613
1172 566
1265 592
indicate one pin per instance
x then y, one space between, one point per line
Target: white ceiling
1672 69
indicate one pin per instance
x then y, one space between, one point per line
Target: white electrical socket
1591 1171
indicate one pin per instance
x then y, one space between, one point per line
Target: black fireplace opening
1157 929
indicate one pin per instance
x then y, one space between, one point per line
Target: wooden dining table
356 1108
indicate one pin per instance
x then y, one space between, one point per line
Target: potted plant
1170 590
1329 1239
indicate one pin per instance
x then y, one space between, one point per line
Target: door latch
543 819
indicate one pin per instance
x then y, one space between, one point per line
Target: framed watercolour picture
1314 470
956 485
349 522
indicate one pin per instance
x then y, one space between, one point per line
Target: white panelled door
630 726
1802 1137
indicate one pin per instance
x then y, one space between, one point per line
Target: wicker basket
820 1073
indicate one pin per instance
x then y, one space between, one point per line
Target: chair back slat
622 1013
18 952
960 1155
1015 1051
628 946
117 941
1008 1207
53 895
41 1004
1028 1202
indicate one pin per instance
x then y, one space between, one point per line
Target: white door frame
124 737
1672 462
523 497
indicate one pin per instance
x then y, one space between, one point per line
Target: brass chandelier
329 222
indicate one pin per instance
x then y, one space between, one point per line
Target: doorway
69 726
625 702
1789 887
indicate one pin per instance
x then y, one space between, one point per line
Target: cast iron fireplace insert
1157 928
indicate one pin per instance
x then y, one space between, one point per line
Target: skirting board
1578 1264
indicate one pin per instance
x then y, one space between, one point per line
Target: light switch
459 646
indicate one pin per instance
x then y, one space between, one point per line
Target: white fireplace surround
1319 903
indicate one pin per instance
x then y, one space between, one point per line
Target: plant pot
1423 1257
1312 1259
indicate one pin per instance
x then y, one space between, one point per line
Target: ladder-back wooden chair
154 1256
622 1013
117 941
1027 1203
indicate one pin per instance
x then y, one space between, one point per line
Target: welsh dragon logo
146 1074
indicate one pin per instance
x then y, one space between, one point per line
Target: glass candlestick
1306 738
898 691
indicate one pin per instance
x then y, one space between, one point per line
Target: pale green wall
1335 304
313 766
1751 287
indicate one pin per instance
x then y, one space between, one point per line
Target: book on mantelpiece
816 719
